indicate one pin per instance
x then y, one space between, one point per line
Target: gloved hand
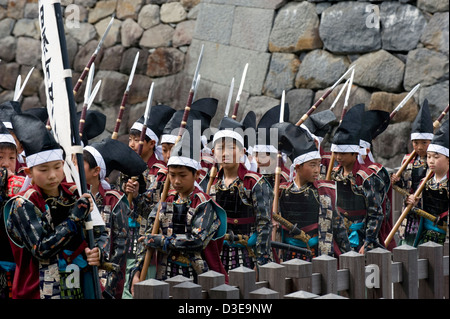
80 210
155 241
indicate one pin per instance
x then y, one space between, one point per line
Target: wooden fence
406 273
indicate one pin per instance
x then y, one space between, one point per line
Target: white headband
345 148
228 133
184 161
422 136
438 149
100 163
139 126
45 157
7 138
302 159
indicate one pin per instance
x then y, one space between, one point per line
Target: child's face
266 159
308 171
133 143
345 159
48 176
182 179
92 174
438 163
8 160
166 148
227 152
421 146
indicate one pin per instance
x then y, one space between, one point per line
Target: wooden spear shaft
407 209
155 229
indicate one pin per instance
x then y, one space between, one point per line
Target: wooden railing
406 273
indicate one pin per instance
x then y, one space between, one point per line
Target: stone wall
301 47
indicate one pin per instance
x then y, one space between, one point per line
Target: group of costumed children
217 212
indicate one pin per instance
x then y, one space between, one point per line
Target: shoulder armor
324 183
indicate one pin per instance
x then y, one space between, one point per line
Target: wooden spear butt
155 230
405 164
330 166
235 110
212 177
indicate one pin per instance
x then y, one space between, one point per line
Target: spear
143 132
213 171
339 94
196 87
393 113
19 89
92 59
347 96
438 122
238 97
411 156
344 110
276 186
187 108
124 99
323 97
87 93
407 209
88 106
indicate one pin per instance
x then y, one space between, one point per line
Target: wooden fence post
382 258
275 274
224 292
300 272
210 279
187 290
173 281
151 289
354 262
301 294
244 278
433 286
264 293
326 266
408 287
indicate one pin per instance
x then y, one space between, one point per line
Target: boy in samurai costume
190 222
247 198
100 159
435 194
45 223
319 125
307 202
265 151
7 110
153 175
360 191
10 185
201 113
374 123
409 181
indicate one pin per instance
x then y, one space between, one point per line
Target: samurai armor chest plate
238 205
435 201
350 201
179 219
418 172
301 208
